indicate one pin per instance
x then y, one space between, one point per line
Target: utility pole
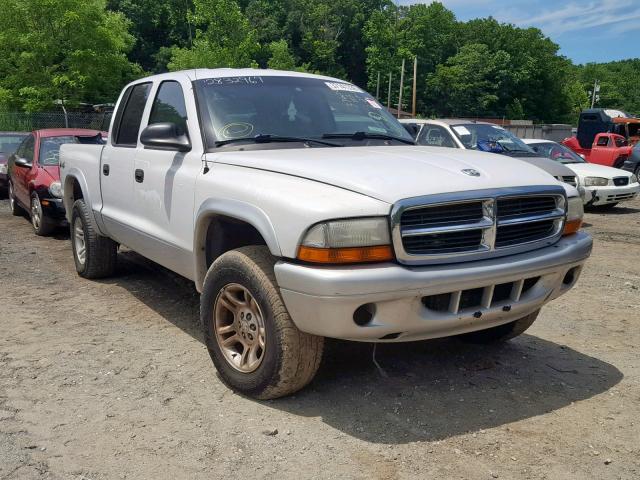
415 80
594 94
401 87
378 88
389 95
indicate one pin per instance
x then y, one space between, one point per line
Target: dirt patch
109 379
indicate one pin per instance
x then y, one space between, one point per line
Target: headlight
575 212
356 240
55 189
633 179
3 168
595 181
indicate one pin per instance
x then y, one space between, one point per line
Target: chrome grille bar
429 235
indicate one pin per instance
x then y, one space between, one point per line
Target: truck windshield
274 111
490 138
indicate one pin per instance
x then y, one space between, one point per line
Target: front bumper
323 300
604 195
53 208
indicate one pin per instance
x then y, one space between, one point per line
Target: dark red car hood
53 171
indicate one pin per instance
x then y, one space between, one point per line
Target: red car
34 175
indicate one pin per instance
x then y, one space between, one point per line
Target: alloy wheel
36 212
79 241
239 328
12 201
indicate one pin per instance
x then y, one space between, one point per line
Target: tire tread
101 252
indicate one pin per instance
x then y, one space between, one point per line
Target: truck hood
391 173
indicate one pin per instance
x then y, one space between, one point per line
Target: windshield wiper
368 135
266 138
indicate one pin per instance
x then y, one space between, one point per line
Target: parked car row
599 185
33 174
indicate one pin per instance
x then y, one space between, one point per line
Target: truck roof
202 73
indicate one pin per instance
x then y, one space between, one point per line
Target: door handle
139 175
105 170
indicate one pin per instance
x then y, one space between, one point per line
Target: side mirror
22 162
165 136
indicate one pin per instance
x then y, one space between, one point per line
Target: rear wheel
95 256
42 224
16 210
254 344
501 333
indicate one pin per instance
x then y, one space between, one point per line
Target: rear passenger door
165 179
117 165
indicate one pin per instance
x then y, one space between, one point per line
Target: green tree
470 82
156 25
74 50
223 38
427 32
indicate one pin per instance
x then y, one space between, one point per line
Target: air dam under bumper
416 303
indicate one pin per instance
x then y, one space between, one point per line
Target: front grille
621 181
449 242
475 226
443 215
509 235
519 206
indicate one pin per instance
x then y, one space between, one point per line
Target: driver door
20 175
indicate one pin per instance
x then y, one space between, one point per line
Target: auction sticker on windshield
342 87
461 130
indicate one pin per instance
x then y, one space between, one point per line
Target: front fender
76 175
239 210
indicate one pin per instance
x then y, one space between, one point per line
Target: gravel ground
109 379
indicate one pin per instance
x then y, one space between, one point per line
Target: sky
587 31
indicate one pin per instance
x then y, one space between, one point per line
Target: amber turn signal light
572 226
379 253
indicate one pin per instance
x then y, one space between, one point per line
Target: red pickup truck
608 149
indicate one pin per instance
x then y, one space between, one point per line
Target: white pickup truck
302 210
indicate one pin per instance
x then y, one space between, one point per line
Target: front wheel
42 225
16 210
254 344
501 333
95 256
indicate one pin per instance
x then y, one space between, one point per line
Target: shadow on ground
424 391
617 210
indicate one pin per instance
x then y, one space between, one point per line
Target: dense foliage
68 50
85 50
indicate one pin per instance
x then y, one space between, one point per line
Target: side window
25 150
129 120
603 141
435 136
169 106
